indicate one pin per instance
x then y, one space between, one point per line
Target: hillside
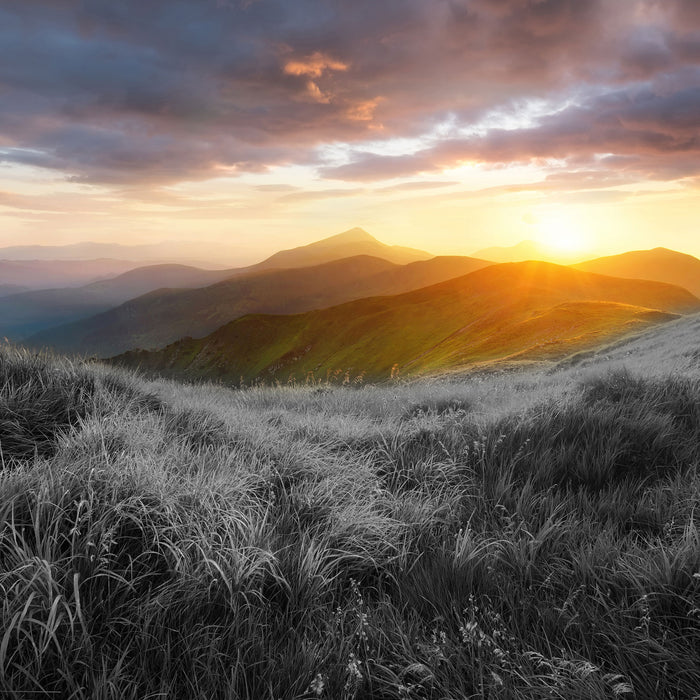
162 317
659 264
422 273
29 312
672 347
511 312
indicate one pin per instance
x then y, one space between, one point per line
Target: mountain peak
352 235
355 241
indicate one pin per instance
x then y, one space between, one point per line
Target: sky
446 125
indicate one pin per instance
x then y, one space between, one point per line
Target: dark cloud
162 91
648 132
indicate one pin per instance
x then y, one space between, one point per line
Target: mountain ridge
29 312
163 316
354 241
496 313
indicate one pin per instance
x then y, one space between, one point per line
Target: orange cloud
314 66
315 94
363 111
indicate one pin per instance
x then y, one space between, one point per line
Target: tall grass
528 536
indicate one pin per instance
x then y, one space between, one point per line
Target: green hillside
510 312
164 316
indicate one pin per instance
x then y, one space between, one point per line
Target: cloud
648 131
314 66
167 91
318 195
419 185
363 111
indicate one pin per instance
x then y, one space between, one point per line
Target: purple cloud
169 90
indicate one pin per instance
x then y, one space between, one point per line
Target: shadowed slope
167 315
516 311
29 312
659 264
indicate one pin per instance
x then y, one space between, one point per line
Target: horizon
541 252
260 126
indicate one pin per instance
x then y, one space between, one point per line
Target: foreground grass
519 537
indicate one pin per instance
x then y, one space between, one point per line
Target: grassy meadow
512 535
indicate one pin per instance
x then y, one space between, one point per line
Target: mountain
45 274
512 312
207 255
356 241
7 289
29 312
523 251
660 264
158 318
219 256
422 273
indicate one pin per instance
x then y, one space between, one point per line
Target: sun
562 233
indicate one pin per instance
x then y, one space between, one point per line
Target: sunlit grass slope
166 315
502 313
521 536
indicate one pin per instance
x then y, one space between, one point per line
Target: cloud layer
166 91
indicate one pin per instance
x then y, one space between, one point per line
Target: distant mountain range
167 252
158 318
349 302
29 312
501 313
45 274
26 314
355 241
7 289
